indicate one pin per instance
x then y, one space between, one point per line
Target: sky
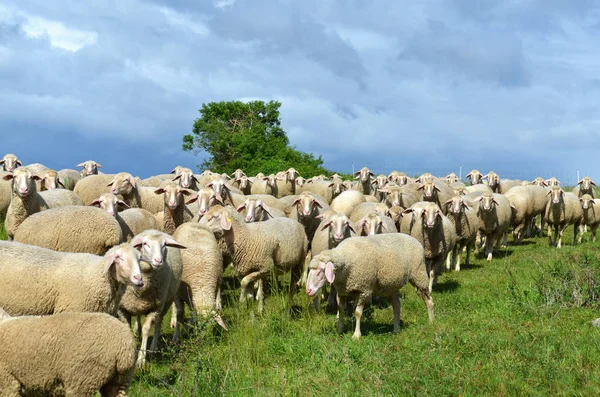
511 86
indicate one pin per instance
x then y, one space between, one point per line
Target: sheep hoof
356 336
489 257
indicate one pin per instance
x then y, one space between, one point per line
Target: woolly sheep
50 180
27 201
161 269
591 215
585 186
426 222
222 188
436 191
495 214
10 162
72 354
91 187
73 229
528 202
479 188
474 177
90 167
37 168
305 209
155 180
133 221
202 275
254 210
363 178
363 209
403 196
175 211
5 195
375 223
379 182
398 178
564 209
286 183
346 201
65 281
506 184
203 200
466 224
264 185
326 189
186 178
362 267
244 184
493 181
258 248
69 178
539 181
552 182
451 178
136 196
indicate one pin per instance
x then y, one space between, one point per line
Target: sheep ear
296 202
580 182
95 202
447 202
225 221
241 207
37 178
98 165
78 165
58 181
592 182
194 178
331 184
267 210
326 224
160 190
465 205
137 242
219 199
193 199
494 201
549 193
111 182
318 204
468 176
187 192
132 181
169 242
178 177
173 171
330 272
436 188
109 260
8 177
123 203
351 228
421 187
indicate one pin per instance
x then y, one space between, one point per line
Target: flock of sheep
87 247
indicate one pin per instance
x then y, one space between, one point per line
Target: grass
519 325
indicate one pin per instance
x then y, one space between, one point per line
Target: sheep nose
306 212
112 191
23 190
112 213
157 261
338 236
249 219
202 211
172 204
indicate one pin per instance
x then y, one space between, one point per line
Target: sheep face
586 201
244 182
23 182
253 209
307 206
219 220
186 178
90 167
152 246
552 182
456 204
487 202
51 181
493 180
392 194
370 225
475 177
123 183
123 262
339 227
431 216
238 174
300 181
206 198
364 175
173 194
10 162
586 183
556 195
316 275
451 178
429 189
291 175
337 186
219 185
539 181
109 203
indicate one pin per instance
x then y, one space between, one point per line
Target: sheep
155 180
175 211
458 188
50 180
479 188
37 168
326 189
305 209
69 178
258 248
451 178
133 221
426 222
375 223
539 181
202 275
72 354
402 196
424 176
589 206
493 181
90 167
10 162
506 184
264 185
27 201
363 178
379 182
5 195
398 178
346 201
136 196
362 267
495 214
162 276
204 199
436 192
244 184
528 202
474 177
254 210
361 210
65 281
466 224
186 178
91 187
584 186
552 182
222 187
564 209
286 183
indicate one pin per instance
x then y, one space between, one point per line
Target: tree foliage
248 136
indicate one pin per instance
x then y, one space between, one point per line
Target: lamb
133 221
364 180
254 210
528 202
10 162
258 248
73 229
426 222
27 201
136 196
493 181
65 281
346 201
362 267
591 215
474 177
202 275
69 178
495 213
91 187
564 209
162 276
375 223
90 167
466 224
584 186
72 354
175 211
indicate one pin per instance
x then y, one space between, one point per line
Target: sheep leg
341 302
579 240
157 330
542 222
426 296
575 230
141 360
357 315
218 303
560 236
455 254
550 242
489 247
173 322
178 309
332 300
250 278
260 296
295 275
594 228
396 305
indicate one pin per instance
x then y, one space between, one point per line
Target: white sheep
65 281
10 162
436 191
71 229
466 223
258 248
528 202
254 210
375 223
69 178
136 196
495 214
306 208
493 181
326 189
199 203
403 196
71 354
175 211
286 183
161 269
346 201
363 209
474 177
90 167
362 267
591 215
585 186
50 180
27 201
564 209
91 187
363 180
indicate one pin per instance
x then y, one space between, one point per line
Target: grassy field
519 325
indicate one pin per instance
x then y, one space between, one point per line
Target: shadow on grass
501 253
521 243
470 266
447 286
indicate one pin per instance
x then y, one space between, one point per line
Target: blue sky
511 86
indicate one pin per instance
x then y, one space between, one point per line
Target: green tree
247 136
